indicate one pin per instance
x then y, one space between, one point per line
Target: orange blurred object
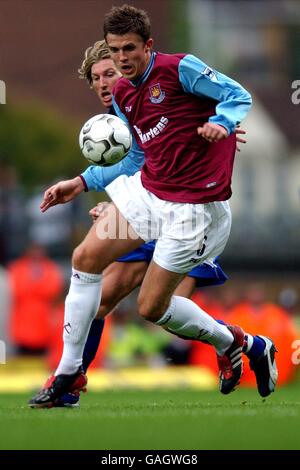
36 282
255 316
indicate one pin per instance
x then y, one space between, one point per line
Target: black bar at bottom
138 458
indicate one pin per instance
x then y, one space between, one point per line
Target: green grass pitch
153 420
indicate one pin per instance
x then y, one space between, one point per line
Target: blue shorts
205 274
142 253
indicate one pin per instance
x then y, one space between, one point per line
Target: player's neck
147 68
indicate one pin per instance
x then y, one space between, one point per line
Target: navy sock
257 348
92 343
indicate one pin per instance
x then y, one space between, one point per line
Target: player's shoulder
167 65
168 59
121 84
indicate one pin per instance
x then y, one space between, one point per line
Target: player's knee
78 255
84 260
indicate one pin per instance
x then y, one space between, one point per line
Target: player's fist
212 132
99 210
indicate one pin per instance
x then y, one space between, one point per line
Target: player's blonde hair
92 55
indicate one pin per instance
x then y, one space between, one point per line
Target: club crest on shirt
156 93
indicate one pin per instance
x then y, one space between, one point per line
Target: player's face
104 76
130 54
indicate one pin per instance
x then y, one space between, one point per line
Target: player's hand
98 210
239 140
212 132
61 192
94 213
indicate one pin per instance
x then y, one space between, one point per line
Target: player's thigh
156 291
109 238
119 280
186 287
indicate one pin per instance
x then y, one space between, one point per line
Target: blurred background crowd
41 48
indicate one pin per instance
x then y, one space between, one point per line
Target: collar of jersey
145 75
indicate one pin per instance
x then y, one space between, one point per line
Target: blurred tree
179 27
40 144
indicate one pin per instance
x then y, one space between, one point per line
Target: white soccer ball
105 140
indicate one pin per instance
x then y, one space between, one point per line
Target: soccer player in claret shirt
124 275
183 115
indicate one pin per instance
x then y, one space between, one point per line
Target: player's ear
149 45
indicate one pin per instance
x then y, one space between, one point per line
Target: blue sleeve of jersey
97 177
135 147
199 79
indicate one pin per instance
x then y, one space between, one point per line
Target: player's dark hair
127 19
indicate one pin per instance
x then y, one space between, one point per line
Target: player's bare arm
62 192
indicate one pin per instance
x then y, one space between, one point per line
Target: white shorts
186 234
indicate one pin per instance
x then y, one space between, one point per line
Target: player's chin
106 100
128 76
107 104
129 73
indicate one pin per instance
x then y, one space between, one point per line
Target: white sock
81 306
249 343
185 318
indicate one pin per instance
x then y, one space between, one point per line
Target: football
105 140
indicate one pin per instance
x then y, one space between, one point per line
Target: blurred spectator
13 236
230 296
4 307
56 230
254 314
36 282
257 314
134 342
288 299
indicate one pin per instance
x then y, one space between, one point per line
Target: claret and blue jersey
223 101
178 93
175 95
